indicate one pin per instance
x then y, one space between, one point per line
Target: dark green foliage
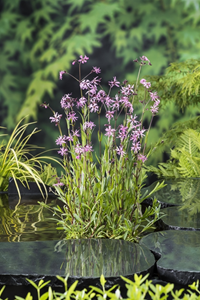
179 92
185 157
180 84
40 38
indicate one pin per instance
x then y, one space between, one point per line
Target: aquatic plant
102 198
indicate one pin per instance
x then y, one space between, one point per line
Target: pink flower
78 150
93 106
142 157
89 125
96 80
133 122
108 101
114 82
96 70
127 90
82 59
145 83
69 138
44 105
110 115
61 74
62 151
134 136
76 133
72 116
58 182
122 133
120 151
154 96
144 58
67 101
85 84
101 96
116 103
56 118
87 148
60 140
81 102
109 131
92 91
126 103
136 147
154 108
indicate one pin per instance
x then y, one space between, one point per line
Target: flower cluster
95 100
154 96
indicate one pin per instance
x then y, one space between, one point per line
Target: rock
177 252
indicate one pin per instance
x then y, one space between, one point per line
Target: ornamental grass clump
102 192
18 162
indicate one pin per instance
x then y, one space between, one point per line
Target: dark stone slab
178 253
178 218
31 190
84 259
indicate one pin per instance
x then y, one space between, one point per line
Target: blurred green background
39 38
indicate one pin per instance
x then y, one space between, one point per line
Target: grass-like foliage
17 161
139 289
101 192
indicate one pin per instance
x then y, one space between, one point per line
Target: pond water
31 247
30 225
26 220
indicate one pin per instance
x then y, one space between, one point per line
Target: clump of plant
17 161
103 199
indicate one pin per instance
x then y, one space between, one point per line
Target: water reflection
183 195
184 192
93 257
26 220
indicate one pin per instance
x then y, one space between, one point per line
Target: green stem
136 85
99 123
